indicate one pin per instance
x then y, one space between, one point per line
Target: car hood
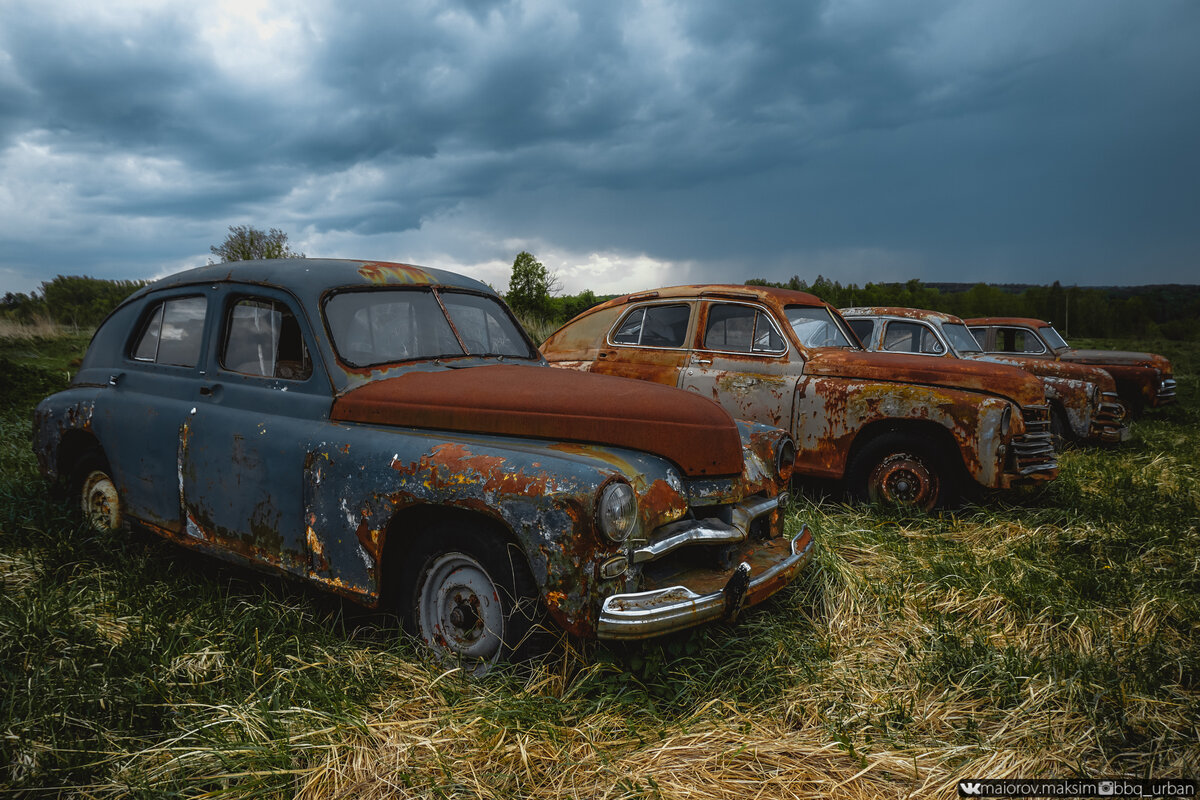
975 376
1124 358
1045 368
562 405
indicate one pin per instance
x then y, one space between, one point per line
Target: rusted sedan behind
905 430
1084 405
388 432
1144 380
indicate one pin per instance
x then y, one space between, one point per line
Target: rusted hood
988 378
1123 358
563 405
1044 368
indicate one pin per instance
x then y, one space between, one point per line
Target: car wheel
470 598
900 470
1060 429
99 499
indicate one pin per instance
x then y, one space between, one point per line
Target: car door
262 405
649 342
741 361
140 416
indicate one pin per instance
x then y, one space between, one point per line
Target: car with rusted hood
1084 405
905 430
1144 380
389 432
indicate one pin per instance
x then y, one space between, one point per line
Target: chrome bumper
639 615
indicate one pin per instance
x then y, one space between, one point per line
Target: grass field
1052 633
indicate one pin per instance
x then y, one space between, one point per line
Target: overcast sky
626 144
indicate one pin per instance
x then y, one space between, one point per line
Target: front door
741 361
258 415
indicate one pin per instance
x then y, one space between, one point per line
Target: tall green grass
1051 632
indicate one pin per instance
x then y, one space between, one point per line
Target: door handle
115 378
703 361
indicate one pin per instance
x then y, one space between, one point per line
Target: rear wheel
900 470
470 598
96 491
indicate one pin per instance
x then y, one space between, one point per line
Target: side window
911 337
864 329
1018 340
173 332
263 338
980 335
654 326
741 329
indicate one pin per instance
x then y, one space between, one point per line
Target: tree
530 286
246 243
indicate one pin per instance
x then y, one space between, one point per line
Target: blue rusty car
390 433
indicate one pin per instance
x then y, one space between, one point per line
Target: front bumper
1166 392
639 615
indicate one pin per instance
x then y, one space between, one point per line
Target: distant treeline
1120 311
68 300
1138 311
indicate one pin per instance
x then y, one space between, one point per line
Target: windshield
816 327
960 338
1052 338
385 325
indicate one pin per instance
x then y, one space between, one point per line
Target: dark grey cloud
1042 141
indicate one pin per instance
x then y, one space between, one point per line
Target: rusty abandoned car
1144 380
899 429
1083 400
389 433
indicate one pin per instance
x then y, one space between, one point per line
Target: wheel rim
459 610
101 502
903 479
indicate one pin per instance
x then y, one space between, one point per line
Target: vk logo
968 789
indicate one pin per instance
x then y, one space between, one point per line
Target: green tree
246 243
530 286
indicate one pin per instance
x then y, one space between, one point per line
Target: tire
468 595
899 469
1060 429
94 489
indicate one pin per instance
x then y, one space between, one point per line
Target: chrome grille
1166 390
1033 451
1109 420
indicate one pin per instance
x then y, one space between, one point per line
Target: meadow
1051 632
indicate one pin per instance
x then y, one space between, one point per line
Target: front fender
542 494
830 413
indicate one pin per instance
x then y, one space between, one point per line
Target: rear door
649 342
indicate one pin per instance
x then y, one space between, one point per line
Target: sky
626 144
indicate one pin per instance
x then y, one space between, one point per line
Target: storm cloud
627 144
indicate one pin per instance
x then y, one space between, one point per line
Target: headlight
1006 420
1095 393
616 510
785 457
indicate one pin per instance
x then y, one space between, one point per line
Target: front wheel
900 470
470 598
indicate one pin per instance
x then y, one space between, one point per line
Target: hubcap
902 479
100 502
459 611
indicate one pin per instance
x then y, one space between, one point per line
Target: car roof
768 294
898 311
1028 322
308 278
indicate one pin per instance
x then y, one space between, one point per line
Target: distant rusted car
1083 400
906 430
390 433
1144 380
